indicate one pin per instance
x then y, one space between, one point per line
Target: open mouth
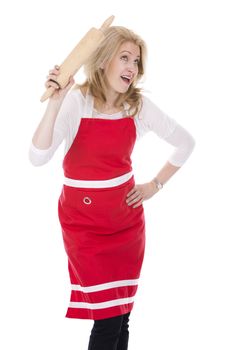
126 79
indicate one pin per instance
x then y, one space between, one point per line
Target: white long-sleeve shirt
150 118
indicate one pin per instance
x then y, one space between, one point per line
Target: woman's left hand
140 193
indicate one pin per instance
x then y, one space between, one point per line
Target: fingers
52 78
140 193
131 192
54 72
134 196
52 83
138 204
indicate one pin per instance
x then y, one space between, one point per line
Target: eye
137 61
124 58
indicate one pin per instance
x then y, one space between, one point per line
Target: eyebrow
128 52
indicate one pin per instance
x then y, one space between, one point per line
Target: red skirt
104 239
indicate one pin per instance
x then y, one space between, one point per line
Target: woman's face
122 70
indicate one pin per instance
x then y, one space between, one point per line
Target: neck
109 106
111 98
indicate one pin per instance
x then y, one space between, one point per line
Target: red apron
104 237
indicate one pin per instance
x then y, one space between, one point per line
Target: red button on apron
87 200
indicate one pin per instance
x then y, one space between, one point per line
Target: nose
131 67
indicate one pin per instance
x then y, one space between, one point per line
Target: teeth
125 77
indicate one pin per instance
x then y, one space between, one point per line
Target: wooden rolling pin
78 56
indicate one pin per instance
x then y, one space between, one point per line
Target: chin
123 90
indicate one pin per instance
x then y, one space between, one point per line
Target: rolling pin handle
107 23
48 93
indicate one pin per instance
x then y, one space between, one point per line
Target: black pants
110 334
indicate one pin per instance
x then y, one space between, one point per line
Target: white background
184 300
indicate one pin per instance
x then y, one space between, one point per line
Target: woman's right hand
59 93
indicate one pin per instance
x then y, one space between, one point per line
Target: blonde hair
115 36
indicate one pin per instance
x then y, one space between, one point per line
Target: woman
100 207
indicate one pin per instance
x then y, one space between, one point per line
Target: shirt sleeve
64 126
151 118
